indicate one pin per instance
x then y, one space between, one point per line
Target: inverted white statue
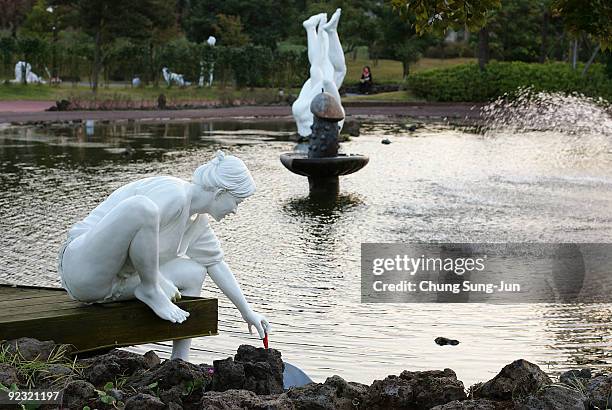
22 69
327 67
151 240
174 78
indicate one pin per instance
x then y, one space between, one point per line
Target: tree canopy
438 16
593 17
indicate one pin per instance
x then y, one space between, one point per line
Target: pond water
299 261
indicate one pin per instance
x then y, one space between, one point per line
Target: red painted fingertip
265 340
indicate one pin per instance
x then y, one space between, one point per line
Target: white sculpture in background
23 68
327 67
151 240
174 78
211 66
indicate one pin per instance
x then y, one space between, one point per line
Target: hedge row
467 83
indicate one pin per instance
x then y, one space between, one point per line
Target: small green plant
107 398
120 381
192 386
154 387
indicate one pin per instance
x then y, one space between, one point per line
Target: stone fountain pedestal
323 173
322 164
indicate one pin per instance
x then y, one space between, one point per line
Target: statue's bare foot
154 297
169 289
312 21
322 19
333 22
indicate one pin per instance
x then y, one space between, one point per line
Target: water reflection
317 220
581 332
298 257
322 210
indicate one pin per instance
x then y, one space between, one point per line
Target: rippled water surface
299 261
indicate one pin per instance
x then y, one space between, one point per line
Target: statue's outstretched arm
223 277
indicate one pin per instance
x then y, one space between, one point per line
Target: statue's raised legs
327 67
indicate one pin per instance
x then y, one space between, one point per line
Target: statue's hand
259 321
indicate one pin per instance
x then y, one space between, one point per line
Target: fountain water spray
528 110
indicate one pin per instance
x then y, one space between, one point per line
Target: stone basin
342 164
323 172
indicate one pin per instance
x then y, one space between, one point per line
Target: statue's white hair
225 172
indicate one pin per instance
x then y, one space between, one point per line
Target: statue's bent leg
93 260
301 108
188 276
310 26
336 54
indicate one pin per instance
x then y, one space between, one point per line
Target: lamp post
54 75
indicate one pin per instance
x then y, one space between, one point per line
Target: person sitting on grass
365 83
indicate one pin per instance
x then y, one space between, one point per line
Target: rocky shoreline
253 379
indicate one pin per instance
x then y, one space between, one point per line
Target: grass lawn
136 96
394 96
390 71
31 92
385 71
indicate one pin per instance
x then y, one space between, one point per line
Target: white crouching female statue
327 67
151 240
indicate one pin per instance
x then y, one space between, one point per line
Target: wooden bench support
50 314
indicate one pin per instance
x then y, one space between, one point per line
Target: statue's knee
197 273
191 271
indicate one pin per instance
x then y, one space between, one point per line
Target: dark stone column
327 186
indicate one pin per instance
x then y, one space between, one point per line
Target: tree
591 17
8 47
108 20
400 39
38 22
266 22
13 13
516 30
229 30
438 16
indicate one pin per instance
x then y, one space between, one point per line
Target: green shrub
467 83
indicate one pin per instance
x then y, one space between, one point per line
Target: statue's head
230 181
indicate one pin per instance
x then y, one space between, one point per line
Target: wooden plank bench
49 314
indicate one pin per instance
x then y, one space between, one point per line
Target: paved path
33 111
24 106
